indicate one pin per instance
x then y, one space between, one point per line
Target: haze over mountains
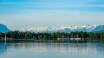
67 29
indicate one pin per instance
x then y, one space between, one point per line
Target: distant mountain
99 28
3 28
68 29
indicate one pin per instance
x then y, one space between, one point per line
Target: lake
37 49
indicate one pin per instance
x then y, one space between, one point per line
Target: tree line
53 36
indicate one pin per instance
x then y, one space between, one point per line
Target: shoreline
51 41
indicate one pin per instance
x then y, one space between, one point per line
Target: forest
52 36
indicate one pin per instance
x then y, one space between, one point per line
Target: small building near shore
63 39
75 39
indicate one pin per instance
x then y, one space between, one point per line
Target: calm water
52 50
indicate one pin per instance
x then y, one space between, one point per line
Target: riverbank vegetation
53 36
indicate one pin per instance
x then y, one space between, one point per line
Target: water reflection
57 48
2 48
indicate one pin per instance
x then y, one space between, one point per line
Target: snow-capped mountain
3 28
68 29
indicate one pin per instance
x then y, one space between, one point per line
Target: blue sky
19 14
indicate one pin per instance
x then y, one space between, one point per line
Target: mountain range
68 29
